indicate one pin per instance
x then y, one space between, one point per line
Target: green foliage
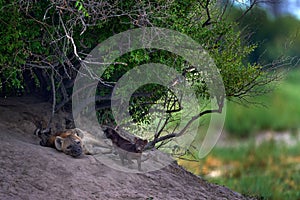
47 42
277 37
18 42
188 17
223 42
219 38
81 8
11 44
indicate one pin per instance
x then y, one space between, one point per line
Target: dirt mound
30 171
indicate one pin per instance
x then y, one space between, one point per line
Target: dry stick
206 7
54 98
173 134
166 106
248 9
165 141
157 132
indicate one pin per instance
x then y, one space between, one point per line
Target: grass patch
270 170
282 111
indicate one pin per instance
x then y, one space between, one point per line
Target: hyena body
126 149
74 142
68 141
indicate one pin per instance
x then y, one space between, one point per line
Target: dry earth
30 171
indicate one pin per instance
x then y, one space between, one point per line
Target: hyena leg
122 156
138 160
129 158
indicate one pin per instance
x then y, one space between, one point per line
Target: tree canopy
44 43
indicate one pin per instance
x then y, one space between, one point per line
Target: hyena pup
126 149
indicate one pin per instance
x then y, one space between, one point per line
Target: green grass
268 171
282 111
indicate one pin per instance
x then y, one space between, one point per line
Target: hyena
126 149
68 141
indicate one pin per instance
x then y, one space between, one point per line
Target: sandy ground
30 171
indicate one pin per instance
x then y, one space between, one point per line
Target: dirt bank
30 171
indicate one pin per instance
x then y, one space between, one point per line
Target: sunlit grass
281 111
269 171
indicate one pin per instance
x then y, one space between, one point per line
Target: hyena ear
145 142
59 142
79 133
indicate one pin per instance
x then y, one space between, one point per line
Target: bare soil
30 171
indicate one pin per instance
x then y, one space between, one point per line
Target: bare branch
206 7
53 98
188 124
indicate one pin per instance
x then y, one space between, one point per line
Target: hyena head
140 144
111 134
70 142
